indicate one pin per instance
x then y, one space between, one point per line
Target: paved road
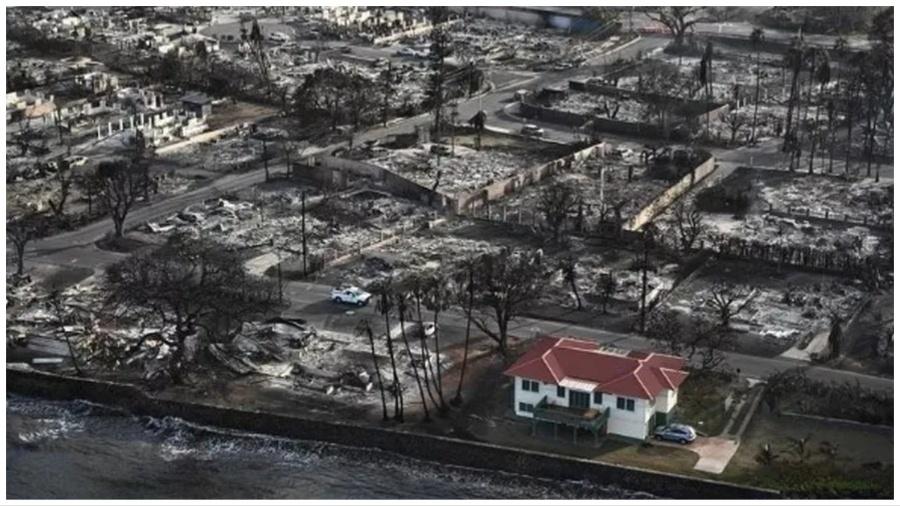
310 301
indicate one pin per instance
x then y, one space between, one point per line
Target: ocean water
78 450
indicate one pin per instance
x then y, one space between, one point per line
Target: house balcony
590 419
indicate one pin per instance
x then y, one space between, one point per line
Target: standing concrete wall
671 194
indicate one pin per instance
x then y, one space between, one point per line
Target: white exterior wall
626 423
533 398
666 400
633 424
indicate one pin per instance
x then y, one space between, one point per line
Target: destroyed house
197 104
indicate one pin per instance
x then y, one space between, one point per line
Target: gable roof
633 374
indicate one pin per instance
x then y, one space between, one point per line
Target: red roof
632 374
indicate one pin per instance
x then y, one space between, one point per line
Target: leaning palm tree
756 40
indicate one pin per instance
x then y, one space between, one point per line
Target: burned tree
700 343
63 318
91 186
678 20
62 179
506 282
735 121
756 41
606 287
194 289
122 184
728 300
689 224
441 48
257 49
556 203
569 268
21 230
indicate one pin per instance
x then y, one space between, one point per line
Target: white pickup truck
350 295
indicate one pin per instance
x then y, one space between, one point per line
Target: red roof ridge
543 358
626 373
638 378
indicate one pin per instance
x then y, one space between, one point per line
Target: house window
526 407
561 392
529 386
598 397
624 404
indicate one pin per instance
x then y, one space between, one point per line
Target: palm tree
840 51
831 114
469 298
401 298
438 294
706 79
853 87
384 307
793 60
365 328
756 40
417 288
822 75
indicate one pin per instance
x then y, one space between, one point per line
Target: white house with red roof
585 385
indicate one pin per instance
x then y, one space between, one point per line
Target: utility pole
647 237
302 231
454 115
265 156
280 279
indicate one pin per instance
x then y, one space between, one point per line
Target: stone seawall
421 446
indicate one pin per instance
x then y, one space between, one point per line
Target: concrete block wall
666 198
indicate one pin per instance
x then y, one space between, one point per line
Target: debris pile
326 362
522 47
625 187
459 169
782 307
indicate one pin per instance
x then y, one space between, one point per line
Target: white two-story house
600 389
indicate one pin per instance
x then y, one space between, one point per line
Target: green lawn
861 467
701 403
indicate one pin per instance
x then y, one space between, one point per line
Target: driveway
715 452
